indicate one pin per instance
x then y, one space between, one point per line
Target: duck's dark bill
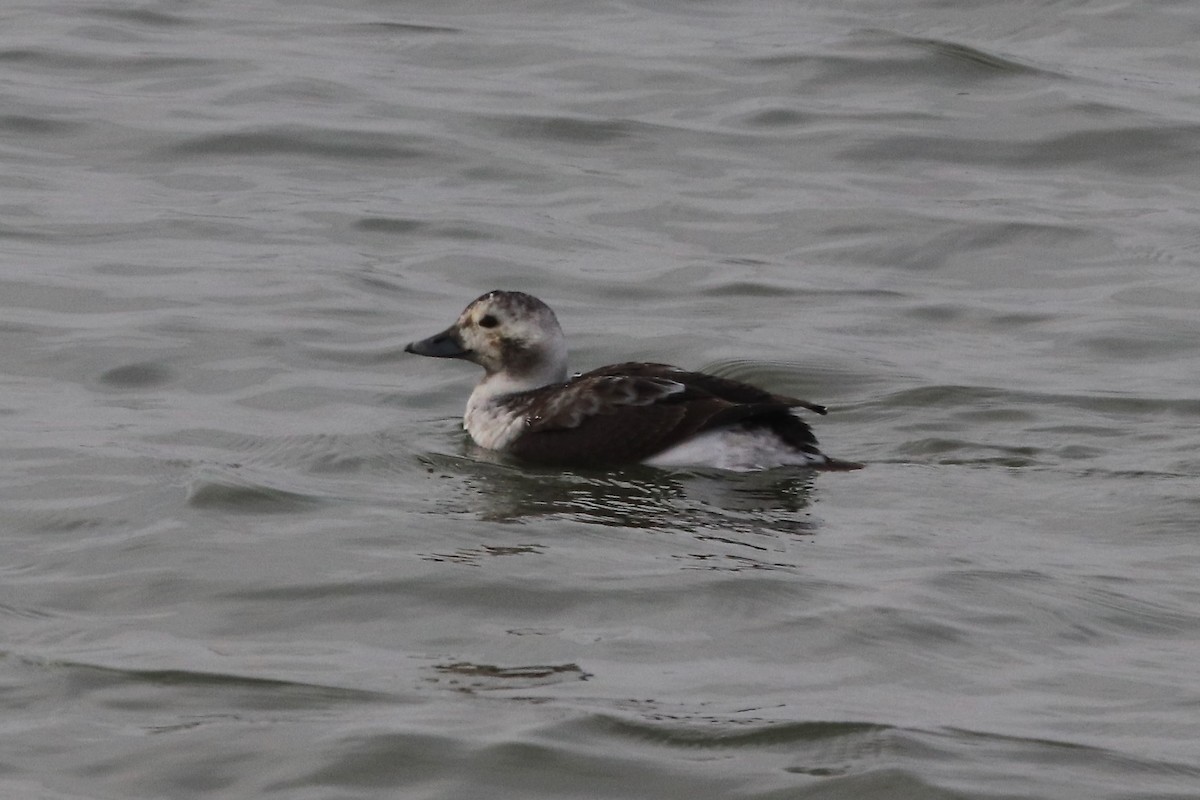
442 345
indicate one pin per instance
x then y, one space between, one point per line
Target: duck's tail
837 465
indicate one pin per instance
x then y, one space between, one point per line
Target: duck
529 407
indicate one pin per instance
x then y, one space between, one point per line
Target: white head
514 336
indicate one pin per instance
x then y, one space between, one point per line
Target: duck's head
514 336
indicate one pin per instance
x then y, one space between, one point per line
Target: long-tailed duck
526 405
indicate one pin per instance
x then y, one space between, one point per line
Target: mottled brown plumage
626 413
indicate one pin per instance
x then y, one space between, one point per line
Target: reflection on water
696 501
465 677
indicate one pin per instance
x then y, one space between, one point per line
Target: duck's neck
494 423
501 384
549 369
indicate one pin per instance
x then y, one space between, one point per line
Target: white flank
736 449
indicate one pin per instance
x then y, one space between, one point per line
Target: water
247 553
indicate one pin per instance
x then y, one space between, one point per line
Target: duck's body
656 414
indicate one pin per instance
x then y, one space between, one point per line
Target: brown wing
624 435
569 405
606 418
725 388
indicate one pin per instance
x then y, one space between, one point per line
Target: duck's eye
488 321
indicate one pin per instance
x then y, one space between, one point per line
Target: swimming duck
527 406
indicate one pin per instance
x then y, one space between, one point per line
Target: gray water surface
247 552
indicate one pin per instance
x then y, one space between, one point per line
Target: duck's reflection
708 502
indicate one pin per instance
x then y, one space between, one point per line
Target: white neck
552 368
489 422
500 384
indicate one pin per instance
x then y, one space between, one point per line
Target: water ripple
298 140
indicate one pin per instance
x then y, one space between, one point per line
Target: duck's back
659 414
